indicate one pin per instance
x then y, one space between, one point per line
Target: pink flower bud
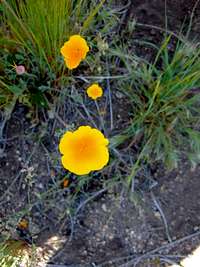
20 69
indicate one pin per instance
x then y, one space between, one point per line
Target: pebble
110 236
40 185
85 253
119 95
104 208
157 215
23 186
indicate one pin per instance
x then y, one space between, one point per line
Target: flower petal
65 141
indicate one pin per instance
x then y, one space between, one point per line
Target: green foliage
42 27
13 253
32 34
28 88
165 97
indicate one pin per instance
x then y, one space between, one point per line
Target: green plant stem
100 116
136 165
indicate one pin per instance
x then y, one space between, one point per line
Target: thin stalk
100 116
137 164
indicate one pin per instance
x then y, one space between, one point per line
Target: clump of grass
32 34
165 99
41 27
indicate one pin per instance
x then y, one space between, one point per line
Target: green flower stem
100 116
137 164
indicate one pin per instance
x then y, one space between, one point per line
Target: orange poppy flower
23 224
74 51
94 91
84 150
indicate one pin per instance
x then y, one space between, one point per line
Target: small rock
111 236
119 95
85 253
40 185
104 208
157 215
23 186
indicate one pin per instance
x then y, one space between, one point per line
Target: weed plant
165 104
41 27
32 34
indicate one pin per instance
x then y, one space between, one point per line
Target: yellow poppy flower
84 150
23 224
94 91
74 51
